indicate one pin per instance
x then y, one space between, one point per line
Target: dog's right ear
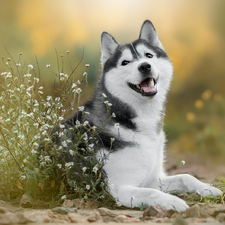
149 34
108 46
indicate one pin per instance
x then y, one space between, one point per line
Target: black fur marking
113 145
159 52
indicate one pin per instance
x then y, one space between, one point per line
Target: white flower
182 162
86 123
64 144
81 108
112 140
49 98
23 177
69 164
40 92
30 66
18 64
61 118
91 145
36 79
62 126
33 151
8 75
104 95
47 158
48 65
87 65
27 75
77 123
95 169
113 115
78 90
84 74
63 197
84 169
78 81
59 165
117 125
71 152
88 187
73 85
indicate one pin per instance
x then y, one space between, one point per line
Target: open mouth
146 88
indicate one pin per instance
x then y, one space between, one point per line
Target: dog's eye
148 55
125 62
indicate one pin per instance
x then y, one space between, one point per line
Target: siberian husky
135 81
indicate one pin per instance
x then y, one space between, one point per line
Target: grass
27 117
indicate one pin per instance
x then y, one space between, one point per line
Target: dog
132 92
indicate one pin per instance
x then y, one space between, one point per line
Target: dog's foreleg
131 196
187 183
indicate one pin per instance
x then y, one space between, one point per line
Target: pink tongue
147 86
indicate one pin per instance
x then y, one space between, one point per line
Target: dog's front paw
172 202
208 190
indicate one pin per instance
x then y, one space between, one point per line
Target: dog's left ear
108 46
149 34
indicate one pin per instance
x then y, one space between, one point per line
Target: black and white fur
136 78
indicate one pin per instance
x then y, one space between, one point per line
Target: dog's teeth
138 86
152 82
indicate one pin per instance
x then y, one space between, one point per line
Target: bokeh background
192 32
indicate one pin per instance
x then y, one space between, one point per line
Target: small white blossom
81 108
62 126
8 75
59 165
77 123
48 65
18 64
78 81
64 144
182 162
33 151
84 169
61 118
104 95
113 115
78 90
73 85
30 67
71 152
95 169
36 79
86 123
47 158
69 164
84 74
117 125
63 197
88 187
49 98
91 145
23 177
112 140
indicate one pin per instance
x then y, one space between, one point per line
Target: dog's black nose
144 68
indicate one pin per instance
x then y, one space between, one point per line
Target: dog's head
141 68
